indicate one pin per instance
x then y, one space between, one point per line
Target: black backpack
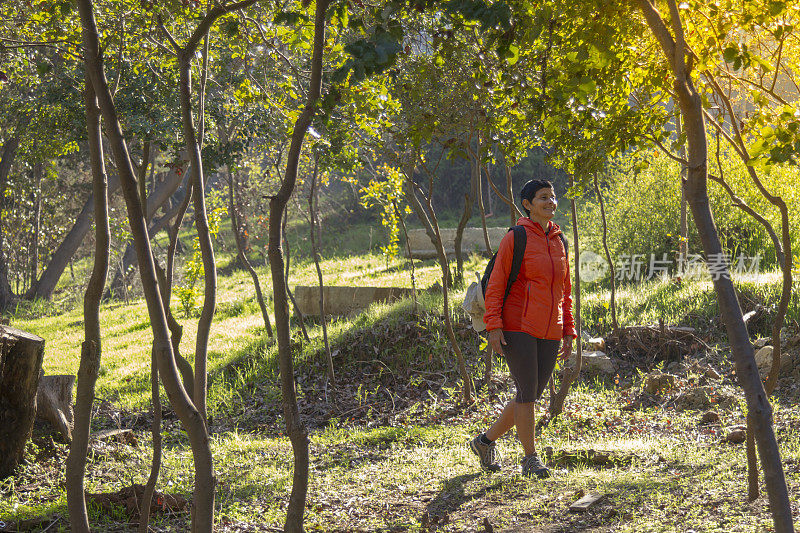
520 242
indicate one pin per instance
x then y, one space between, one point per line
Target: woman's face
543 204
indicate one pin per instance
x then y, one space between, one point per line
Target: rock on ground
593 363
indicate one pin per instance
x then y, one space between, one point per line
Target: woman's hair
530 189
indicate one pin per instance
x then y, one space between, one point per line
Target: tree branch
210 18
659 29
664 149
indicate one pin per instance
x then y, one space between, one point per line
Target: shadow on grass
453 495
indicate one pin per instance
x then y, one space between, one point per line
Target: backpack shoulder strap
520 242
566 245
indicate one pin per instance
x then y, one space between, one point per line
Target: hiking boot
532 466
485 453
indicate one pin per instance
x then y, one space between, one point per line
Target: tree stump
54 403
21 355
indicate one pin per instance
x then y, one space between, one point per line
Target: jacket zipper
552 280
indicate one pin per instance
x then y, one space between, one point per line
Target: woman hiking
529 327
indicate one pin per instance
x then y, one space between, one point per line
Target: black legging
531 362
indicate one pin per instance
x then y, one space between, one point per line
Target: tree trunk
613 305
313 218
20 370
783 254
38 171
512 208
242 251
141 176
697 194
203 233
483 212
128 261
489 202
683 245
434 223
7 157
410 257
176 332
569 377
91 349
192 419
277 206
175 329
46 284
155 467
509 201
469 200
288 255
419 211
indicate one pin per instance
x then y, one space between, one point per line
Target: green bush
643 212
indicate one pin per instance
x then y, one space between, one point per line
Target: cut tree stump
21 355
54 403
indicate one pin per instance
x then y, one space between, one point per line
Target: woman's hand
566 348
497 340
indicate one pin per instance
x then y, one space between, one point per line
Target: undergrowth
388 436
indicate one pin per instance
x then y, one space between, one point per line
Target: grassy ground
388 441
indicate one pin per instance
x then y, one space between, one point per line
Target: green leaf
290 18
587 86
776 8
730 53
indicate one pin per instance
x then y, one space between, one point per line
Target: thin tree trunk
176 332
489 202
434 223
38 171
557 401
487 356
613 306
469 200
410 257
175 329
241 249
91 349
313 218
696 191
203 233
156 201
46 284
483 212
6 160
508 200
783 254
142 174
294 426
419 211
512 207
155 467
192 419
297 312
683 246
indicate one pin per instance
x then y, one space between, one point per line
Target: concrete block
472 241
345 300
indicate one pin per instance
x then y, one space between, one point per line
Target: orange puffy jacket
540 300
